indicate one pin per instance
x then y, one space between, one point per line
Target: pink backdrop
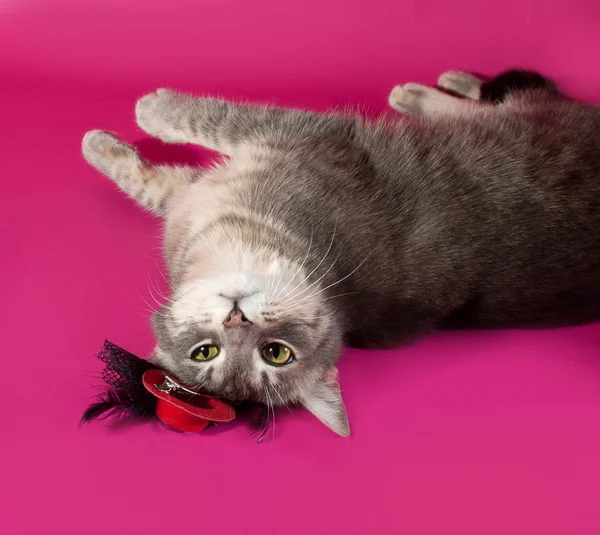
473 433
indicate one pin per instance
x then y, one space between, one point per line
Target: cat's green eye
277 354
204 352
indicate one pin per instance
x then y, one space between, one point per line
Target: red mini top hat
182 409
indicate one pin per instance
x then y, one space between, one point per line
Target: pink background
474 433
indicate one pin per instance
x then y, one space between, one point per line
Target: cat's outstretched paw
160 114
106 152
410 99
461 83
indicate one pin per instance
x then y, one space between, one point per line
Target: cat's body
327 229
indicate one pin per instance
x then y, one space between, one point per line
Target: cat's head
265 337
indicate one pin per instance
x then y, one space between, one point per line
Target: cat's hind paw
419 100
460 83
409 99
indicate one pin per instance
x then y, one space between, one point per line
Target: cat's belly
491 312
400 325
389 325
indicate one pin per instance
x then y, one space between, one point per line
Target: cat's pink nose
236 318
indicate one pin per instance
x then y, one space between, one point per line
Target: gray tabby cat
325 230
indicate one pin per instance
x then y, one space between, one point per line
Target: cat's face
269 338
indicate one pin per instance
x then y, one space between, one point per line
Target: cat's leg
500 88
218 124
150 185
422 101
419 100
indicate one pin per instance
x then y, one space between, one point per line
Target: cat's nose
236 318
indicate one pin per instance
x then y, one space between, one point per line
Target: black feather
125 393
113 402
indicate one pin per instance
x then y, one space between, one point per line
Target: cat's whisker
279 396
270 402
344 278
152 309
299 270
159 289
167 307
260 439
152 294
314 283
318 265
167 281
279 283
334 311
161 272
340 280
156 288
198 386
272 285
309 286
276 286
297 304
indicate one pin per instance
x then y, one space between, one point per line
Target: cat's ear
325 402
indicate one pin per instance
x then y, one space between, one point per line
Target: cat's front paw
160 114
104 150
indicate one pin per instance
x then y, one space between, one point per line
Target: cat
479 208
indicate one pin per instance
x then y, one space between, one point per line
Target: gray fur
473 216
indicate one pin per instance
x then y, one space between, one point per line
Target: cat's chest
229 189
197 207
